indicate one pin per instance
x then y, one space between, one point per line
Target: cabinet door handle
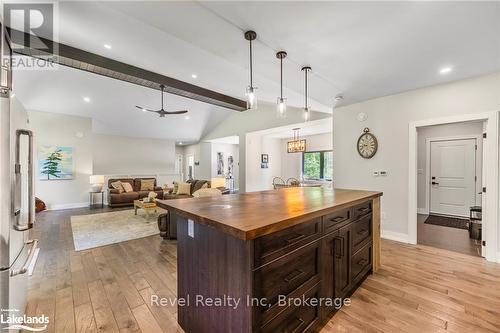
293 275
339 247
294 239
362 262
338 219
296 329
363 209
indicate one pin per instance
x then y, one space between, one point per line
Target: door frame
490 215
427 208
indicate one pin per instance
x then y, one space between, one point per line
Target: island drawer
300 318
361 232
270 247
286 276
332 220
361 263
362 209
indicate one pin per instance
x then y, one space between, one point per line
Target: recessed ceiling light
86 99
445 70
186 117
107 46
180 143
194 76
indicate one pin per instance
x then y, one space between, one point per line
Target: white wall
257 178
64 130
441 131
96 154
291 165
240 123
388 119
125 155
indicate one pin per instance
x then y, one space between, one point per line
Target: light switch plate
190 228
376 173
383 172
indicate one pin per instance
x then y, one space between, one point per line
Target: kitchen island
272 261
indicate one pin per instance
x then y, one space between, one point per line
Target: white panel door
453 177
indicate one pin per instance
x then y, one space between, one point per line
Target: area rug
94 230
445 221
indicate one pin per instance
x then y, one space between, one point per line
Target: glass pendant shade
281 108
307 114
251 98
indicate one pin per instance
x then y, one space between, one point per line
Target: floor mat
446 221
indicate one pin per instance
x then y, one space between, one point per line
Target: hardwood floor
446 238
107 289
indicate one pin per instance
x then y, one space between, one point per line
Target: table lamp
97 181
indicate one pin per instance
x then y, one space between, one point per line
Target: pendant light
281 105
307 112
250 93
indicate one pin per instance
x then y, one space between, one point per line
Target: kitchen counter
250 215
240 255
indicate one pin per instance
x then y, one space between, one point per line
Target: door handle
17 188
434 183
27 263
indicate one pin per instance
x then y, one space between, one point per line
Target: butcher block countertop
250 215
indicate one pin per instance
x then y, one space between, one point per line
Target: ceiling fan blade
144 109
176 112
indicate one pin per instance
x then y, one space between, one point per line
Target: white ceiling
360 49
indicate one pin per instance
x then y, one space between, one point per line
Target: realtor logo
32 29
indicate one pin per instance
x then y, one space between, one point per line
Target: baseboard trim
498 257
422 211
394 236
68 206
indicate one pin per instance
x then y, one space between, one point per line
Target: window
317 165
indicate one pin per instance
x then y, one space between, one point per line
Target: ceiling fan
162 111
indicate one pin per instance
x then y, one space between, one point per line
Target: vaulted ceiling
359 49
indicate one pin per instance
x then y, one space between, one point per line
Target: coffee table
148 207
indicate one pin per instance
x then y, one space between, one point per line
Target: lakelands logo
27 323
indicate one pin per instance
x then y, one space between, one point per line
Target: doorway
449 183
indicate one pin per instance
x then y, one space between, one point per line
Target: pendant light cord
251 67
305 95
281 78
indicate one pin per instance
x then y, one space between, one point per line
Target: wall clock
367 144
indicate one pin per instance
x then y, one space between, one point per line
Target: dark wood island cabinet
272 261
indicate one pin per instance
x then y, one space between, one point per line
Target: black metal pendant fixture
250 92
307 111
281 105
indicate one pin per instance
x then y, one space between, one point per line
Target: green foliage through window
317 165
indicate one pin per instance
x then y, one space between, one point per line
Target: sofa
195 186
117 199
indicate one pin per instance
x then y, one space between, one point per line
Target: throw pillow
205 185
118 185
184 188
127 187
207 192
147 184
176 187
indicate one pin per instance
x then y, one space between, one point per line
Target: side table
92 201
